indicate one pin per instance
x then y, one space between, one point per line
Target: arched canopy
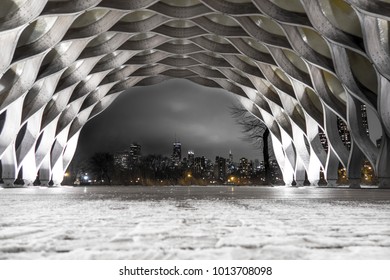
302 67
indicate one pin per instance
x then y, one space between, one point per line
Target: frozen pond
194 223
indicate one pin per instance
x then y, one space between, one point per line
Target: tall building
127 159
245 168
343 127
200 165
191 158
122 160
209 168
220 168
344 133
176 153
363 110
230 167
135 153
230 157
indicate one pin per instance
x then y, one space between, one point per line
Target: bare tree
255 132
102 165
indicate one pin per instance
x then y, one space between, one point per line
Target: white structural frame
298 65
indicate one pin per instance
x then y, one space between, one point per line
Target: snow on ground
94 223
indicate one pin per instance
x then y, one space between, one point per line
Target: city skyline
132 167
185 153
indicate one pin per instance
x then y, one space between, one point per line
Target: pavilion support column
288 173
317 151
359 141
299 174
58 173
355 160
46 143
10 119
334 140
331 169
57 164
303 155
313 175
280 158
70 150
337 151
383 164
8 164
29 169
289 159
25 153
57 157
383 161
45 171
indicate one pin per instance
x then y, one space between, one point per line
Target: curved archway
299 67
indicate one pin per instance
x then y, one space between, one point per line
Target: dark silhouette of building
135 154
363 110
122 160
220 169
230 160
245 168
176 153
128 159
199 165
344 133
191 159
230 166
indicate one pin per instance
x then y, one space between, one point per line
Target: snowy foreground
194 223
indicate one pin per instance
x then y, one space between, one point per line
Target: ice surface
194 223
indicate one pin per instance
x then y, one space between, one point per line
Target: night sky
151 116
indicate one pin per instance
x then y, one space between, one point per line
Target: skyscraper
135 153
220 169
200 165
176 153
122 160
230 164
245 168
191 158
344 133
363 110
129 158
